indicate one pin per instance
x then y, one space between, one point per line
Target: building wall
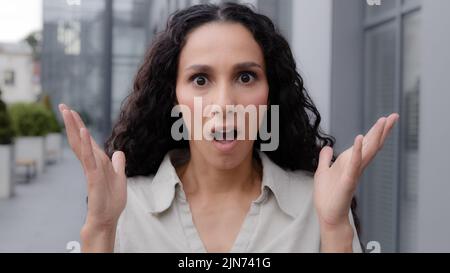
18 59
427 228
311 45
346 72
434 182
72 58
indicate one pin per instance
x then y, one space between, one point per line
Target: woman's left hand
335 185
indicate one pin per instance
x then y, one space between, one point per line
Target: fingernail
82 131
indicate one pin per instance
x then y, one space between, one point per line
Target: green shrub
30 119
54 126
6 129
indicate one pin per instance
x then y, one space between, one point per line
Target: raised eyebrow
238 66
247 65
200 67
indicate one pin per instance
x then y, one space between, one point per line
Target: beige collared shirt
283 218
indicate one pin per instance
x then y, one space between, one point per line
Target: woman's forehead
220 43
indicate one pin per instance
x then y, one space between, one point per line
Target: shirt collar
163 185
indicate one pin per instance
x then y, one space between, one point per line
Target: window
69 36
410 130
9 77
392 84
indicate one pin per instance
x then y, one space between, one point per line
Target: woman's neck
200 178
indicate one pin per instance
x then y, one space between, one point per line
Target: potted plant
31 124
53 140
6 152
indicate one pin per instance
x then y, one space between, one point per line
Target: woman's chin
227 154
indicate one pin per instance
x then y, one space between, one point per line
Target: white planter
6 171
31 148
53 147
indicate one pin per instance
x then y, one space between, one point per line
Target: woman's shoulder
301 182
275 172
155 192
139 183
165 171
139 187
301 175
293 189
139 180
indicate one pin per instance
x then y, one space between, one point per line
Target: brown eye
246 77
200 80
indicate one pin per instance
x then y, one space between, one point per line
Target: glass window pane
410 118
380 180
411 2
377 10
130 35
9 77
72 57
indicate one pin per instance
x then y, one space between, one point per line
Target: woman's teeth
225 136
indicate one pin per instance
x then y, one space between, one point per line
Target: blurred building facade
72 55
90 64
19 73
359 62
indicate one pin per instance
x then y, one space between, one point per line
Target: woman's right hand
106 184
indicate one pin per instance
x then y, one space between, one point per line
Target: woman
214 195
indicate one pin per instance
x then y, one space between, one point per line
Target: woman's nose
224 96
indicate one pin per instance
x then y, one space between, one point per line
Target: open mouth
225 138
224 135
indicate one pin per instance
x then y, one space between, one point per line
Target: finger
73 125
80 124
370 147
353 170
390 122
87 155
370 136
63 107
325 156
78 119
73 134
118 162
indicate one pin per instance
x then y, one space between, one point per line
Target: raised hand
106 183
335 184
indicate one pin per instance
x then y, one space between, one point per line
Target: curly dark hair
143 129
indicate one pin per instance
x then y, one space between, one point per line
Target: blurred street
47 213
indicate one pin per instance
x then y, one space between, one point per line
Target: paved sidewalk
47 213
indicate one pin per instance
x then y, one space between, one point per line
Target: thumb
325 156
118 162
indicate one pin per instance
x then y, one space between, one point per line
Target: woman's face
223 65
